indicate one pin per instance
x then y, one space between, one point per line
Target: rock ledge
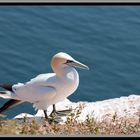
128 107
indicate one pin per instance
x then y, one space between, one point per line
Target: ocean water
106 38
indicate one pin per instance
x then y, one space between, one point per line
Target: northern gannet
45 89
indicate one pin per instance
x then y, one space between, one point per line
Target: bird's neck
70 70
70 76
63 72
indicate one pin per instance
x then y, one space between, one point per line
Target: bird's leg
50 120
45 113
54 112
59 113
46 117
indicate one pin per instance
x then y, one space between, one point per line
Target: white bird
46 89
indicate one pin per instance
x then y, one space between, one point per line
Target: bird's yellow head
64 60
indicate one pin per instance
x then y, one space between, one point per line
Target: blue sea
106 38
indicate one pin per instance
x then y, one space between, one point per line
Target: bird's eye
69 61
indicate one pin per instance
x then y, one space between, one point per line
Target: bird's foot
60 113
52 120
64 112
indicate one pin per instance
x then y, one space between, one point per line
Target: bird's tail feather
5 94
10 104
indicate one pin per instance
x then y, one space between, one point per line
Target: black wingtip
7 86
8 105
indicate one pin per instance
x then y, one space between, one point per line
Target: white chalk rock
100 110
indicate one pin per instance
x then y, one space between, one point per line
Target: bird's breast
68 83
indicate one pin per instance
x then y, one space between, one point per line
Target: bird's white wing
43 79
34 93
36 89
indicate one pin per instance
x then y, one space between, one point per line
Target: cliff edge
106 110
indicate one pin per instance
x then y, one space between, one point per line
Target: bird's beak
78 65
